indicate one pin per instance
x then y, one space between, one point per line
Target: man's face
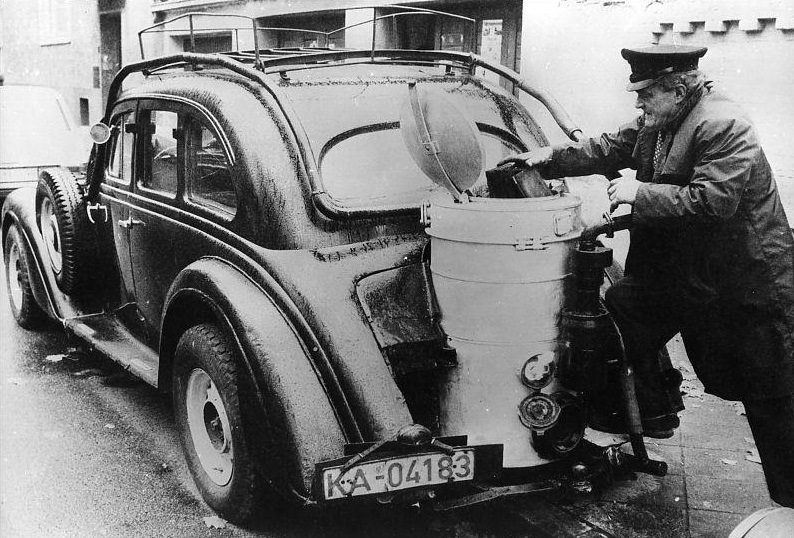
658 106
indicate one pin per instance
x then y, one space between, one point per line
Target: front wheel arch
24 307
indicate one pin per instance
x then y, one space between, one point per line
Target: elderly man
711 253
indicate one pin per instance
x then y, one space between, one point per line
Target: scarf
664 135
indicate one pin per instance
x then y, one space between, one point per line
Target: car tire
26 311
63 223
209 418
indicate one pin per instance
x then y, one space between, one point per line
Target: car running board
105 334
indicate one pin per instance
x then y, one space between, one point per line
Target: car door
154 213
115 191
183 199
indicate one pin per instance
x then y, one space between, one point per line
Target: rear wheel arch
299 426
186 309
214 426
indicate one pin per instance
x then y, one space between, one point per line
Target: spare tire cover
63 223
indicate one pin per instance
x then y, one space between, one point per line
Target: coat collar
646 139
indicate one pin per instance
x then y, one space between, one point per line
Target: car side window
209 179
119 166
160 153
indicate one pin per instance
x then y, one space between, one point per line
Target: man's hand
530 158
622 191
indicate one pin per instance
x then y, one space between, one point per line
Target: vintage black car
251 237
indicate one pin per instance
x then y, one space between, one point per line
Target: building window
208 43
55 22
84 114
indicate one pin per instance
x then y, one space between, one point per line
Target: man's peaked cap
650 63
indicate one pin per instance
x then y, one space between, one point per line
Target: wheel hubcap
15 276
209 427
51 234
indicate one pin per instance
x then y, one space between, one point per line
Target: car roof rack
257 64
195 24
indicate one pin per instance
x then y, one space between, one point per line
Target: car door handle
130 222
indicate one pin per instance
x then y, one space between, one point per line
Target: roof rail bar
160 27
190 16
409 10
467 60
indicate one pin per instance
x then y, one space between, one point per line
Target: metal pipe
641 461
411 10
552 105
609 225
192 34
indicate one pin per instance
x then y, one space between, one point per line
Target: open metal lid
443 141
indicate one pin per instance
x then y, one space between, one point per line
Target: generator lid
442 140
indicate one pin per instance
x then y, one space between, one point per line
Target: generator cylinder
502 271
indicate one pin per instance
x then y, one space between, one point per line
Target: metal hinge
531 243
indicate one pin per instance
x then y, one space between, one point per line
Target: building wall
66 62
136 15
573 49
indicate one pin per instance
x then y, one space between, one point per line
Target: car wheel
27 312
63 225
210 424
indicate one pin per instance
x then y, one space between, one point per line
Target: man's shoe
660 425
658 434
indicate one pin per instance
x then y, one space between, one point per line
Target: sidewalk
712 483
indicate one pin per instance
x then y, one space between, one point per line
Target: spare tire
63 223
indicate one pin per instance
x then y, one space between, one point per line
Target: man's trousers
648 317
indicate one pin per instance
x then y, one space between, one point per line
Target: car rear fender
295 422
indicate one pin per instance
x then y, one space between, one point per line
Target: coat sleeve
725 150
608 153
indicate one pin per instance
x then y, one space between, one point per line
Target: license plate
394 474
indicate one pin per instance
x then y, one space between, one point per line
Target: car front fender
19 209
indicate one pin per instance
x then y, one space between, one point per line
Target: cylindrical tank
502 274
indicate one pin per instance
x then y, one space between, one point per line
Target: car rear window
374 167
354 130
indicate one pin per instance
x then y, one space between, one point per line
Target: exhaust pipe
586 326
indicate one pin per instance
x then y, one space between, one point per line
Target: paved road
87 451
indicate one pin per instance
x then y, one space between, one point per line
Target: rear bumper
352 483
588 468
